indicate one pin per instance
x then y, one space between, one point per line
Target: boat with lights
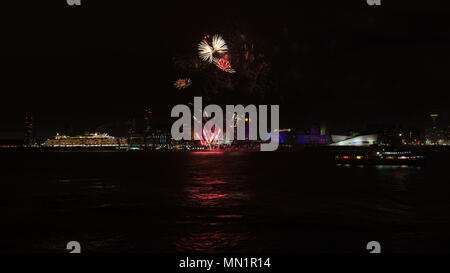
380 157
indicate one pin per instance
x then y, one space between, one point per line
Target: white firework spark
207 51
219 45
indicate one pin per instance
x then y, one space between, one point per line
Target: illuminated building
131 131
155 140
338 138
148 116
90 140
323 129
362 140
435 134
148 138
410 137
314 137
29 134
434 120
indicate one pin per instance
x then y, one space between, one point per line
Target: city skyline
385 66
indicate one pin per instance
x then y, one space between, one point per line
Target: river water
219 203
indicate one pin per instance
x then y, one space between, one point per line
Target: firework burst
209 51
182 83
246 68
209 139
224 64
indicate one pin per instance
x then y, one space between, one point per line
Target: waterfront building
316 136
435 135
28 140
360 140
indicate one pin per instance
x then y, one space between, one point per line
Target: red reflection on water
211 202
209 196
205 196
207 153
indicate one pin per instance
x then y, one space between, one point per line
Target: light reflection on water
88 183
211 203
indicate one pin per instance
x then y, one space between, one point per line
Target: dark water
219 202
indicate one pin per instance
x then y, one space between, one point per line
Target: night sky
340 62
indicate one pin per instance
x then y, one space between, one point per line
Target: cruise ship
88 140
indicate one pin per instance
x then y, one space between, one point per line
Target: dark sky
340 62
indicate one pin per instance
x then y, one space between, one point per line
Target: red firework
224 64
209 139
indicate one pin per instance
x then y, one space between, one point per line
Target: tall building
148 118
323 129
131 131
148 127
29 133
434 135
434 120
